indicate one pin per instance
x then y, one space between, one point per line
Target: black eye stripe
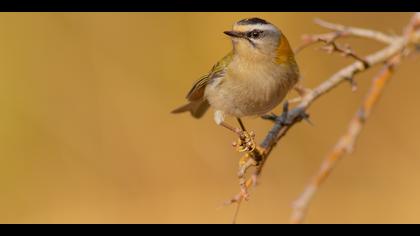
255 34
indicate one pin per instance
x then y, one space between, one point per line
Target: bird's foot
246 142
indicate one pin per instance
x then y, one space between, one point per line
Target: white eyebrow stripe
265 27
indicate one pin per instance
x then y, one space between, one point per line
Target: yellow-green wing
218 70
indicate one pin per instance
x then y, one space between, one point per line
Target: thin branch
359 32
347 51
308 40
340 31
413 26
345 144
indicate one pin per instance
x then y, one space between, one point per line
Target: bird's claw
245 142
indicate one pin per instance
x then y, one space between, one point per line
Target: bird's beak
234 34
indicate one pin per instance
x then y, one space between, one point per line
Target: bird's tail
196 108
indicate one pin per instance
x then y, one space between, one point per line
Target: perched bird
251 80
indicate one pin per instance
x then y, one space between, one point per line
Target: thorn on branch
361 115
271 117
288 118
283 119
308 40
346 51
353 83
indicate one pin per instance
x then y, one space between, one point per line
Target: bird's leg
246 139
230 127
241 124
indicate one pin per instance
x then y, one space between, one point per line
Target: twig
410 30
347 51
308 40
359 32
345 144
340 31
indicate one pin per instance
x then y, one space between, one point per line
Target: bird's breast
251 88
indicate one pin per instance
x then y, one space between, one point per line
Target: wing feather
218 70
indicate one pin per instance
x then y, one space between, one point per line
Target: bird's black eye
254 34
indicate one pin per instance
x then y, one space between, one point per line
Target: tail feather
196 108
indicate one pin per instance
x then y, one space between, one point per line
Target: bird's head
256 38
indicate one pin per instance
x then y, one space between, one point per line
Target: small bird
251 80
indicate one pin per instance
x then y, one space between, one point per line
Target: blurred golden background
86 135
